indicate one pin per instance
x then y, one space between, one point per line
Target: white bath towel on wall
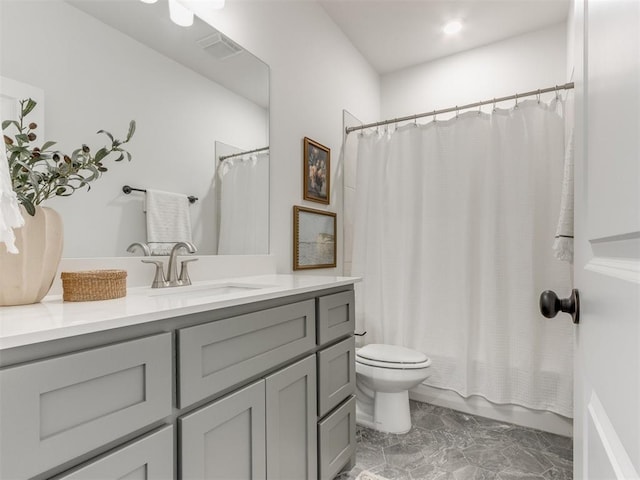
168 220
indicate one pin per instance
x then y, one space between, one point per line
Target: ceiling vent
219 46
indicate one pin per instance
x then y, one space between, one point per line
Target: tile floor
444 444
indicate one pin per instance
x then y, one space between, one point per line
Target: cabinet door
149 458
291 422
225 440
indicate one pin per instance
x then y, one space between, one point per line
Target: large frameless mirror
99 64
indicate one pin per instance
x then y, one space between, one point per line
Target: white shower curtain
454 223
244 205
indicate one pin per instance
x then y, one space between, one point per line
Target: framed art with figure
317 169
314 238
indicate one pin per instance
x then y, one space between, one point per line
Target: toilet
384 375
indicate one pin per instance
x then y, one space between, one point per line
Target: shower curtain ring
538 96
457 111
494 104
434 116
516 101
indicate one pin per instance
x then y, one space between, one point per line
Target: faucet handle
143 246
184 274
159 280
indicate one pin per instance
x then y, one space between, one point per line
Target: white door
607 261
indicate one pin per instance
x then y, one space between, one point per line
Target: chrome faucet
173 280
143 246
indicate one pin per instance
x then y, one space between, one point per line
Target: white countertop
53 319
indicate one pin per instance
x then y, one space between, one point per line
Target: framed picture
314 238
317 169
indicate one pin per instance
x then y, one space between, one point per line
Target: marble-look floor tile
444 444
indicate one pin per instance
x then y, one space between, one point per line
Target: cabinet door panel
336 374
225 440
149 458
336 316
54 410
221 354
291 422
337 439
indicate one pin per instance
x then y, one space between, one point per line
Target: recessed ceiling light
452 27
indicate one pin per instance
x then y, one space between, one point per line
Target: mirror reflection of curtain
244 220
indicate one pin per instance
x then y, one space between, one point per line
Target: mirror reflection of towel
168 220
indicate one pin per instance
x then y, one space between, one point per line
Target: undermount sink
197 291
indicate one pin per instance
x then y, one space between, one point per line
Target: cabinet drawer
148 458
218 355
337 439
336 374
55 410
336 316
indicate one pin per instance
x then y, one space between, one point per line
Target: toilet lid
391 356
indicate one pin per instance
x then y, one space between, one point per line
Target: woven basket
93 285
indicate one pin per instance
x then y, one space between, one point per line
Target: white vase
26 277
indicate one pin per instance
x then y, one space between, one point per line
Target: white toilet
384 375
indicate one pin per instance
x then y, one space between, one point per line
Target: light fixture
452 27
179 14
149 1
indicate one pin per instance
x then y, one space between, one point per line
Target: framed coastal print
317 169
314 238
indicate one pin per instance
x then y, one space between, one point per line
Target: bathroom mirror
102 63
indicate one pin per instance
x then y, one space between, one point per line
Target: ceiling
396 34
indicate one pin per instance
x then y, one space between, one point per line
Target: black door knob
550 304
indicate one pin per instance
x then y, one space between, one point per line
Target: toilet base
390 413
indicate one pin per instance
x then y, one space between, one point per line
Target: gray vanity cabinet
258 391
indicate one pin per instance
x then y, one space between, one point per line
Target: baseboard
476 405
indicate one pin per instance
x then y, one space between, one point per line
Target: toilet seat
392 357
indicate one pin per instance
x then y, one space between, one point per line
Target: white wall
526 62
315 74
97 78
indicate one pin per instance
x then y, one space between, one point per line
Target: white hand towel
563 244
10 216
168 220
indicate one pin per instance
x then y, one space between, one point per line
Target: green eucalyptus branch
39 173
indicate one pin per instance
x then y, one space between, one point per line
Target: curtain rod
517 96
224 157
